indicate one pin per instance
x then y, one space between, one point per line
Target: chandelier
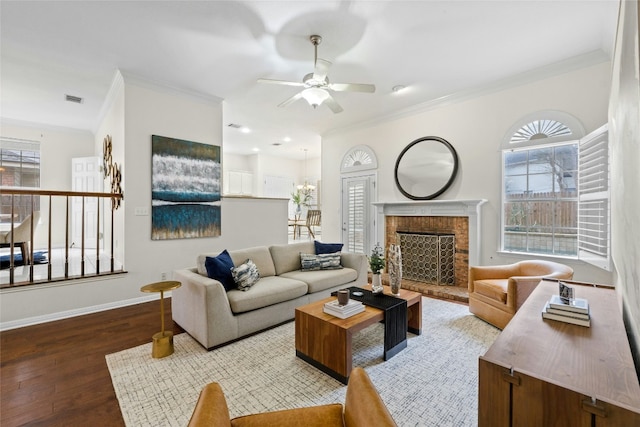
306 187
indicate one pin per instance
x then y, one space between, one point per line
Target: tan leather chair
363 407
21 236
497 292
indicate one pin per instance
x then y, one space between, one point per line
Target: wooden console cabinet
548 373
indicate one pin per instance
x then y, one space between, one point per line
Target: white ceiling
438 49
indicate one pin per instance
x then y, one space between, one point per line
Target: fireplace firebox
428 257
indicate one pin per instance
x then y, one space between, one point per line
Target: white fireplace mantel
466 208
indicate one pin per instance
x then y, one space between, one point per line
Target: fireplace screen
428 258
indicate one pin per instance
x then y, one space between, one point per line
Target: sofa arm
201 307
359 263
211 408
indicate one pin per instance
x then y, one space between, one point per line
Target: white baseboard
29 321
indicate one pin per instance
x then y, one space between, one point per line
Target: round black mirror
426 168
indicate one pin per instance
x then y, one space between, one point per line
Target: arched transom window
359 158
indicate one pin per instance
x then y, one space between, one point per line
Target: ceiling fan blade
333 105
352 87
321 70
291 100
281 82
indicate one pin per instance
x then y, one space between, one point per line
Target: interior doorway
86 177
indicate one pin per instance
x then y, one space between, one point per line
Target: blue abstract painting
185 189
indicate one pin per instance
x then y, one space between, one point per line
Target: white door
358 215
86 177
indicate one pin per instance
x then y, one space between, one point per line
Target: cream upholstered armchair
21 236
363 407
497 292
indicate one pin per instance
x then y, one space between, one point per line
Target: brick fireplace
457 218
458 227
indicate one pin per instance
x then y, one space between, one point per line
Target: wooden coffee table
324 341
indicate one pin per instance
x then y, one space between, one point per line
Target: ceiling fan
317 86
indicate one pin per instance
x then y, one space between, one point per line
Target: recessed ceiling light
286 139
398 88
245 130
255 149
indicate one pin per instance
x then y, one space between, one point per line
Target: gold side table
163 340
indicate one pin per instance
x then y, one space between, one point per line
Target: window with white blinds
555 195
356 220
593 199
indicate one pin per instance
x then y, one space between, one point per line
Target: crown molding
136 80
4 121
117 84
558 68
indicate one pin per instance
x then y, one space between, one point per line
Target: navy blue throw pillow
327 248
219 268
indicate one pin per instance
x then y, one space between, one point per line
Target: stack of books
343 311
576 311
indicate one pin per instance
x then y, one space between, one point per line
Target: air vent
75 99
277 144
234 125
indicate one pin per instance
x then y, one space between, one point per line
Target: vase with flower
376 264
302 197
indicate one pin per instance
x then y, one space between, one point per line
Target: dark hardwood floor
55 374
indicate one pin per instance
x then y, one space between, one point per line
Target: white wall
145 111
57 147
475 128
624 128
113 124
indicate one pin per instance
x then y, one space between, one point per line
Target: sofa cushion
310 262
287 257
245 275
268 291
323 279
200 262
327 248
260 256
492 288
219 268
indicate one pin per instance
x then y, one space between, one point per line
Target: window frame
529 147
578 137
21 205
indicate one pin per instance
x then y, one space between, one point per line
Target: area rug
39 257
433 382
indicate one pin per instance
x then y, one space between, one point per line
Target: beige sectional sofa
213 316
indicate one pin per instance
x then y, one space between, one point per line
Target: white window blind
593 199
356 196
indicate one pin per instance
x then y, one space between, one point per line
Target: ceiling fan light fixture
315 96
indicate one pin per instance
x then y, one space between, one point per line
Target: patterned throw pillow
245 275
320 262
